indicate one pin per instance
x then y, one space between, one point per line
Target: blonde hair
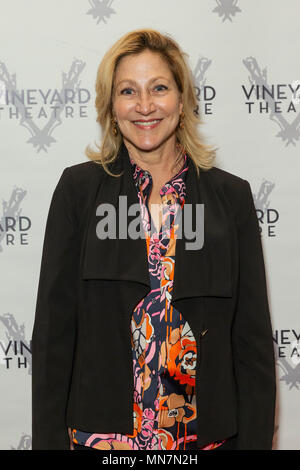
188 137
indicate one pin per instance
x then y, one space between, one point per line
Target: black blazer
82 374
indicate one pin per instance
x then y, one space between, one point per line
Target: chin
147 146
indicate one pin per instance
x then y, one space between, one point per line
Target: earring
115 128
181 122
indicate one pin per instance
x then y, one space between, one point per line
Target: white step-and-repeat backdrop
245 60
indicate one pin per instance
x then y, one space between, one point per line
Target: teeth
149 123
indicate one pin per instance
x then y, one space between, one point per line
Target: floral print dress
163 346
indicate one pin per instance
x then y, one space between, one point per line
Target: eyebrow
132 82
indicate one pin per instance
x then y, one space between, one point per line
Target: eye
160 87
127 91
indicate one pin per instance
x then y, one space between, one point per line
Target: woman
130 349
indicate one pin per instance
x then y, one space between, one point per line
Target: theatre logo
101 10
41 111
204 92
278 101
226 9
267 215
14 226
15 350
287 353
25 443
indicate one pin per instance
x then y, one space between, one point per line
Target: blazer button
203 332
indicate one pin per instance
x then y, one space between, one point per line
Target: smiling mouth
148 124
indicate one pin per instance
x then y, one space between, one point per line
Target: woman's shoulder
85 171
229 183
236 190
78 184
82 177
224 177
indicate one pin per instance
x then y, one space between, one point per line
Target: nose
145 104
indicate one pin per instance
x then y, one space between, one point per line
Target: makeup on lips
147 124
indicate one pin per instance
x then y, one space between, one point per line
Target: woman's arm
54 331
252 337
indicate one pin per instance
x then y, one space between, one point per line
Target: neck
162 163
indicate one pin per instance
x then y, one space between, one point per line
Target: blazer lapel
203 272
206 271
115 259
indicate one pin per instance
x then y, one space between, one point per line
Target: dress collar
143 180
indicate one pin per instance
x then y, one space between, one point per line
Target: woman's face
146 101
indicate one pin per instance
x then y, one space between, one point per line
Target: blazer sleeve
252 337
54 330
